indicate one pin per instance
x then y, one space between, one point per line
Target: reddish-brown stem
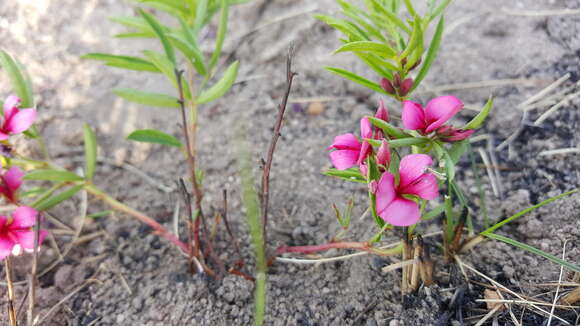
265 193
360 246
229 230
158 228
189 216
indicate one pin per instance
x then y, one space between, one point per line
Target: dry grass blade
559 151
401 264
490 173
488 315
479 84
39 320
541 94
499 285
558 287
554 108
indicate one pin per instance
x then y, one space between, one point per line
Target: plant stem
11 311
265 193
361 246
115 204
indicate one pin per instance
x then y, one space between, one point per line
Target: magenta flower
437 112
15 120
414 180
348 150
16 233
10 181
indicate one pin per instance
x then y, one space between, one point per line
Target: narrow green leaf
58 198
357 79
439 9
534 250
101 213
416 37
478 120
367 46
431 53
388 128
18 78
352 174
252 207
379 65
458 149
433 213
154 136
345 27
391 17
525 211
222 86
52 175
403 142
166 67
156 26
200 15
190 51
196 56
221 34
161 6
449 164
147 98
122 61
90 151
175 4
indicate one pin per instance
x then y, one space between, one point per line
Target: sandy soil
142 280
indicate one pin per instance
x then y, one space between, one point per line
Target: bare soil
135 278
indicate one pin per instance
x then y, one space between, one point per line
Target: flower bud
387 86
373 186
406 86
364 170
450 134
382 112
384 154
397 81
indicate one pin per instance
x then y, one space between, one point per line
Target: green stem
117 205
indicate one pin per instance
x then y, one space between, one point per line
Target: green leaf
525 211
345 27
52 175
101 213
357 79
379 65
403 142
200 15
122 61
156 26
478 120
387 128
166 67
58 198
147 98
416 37
458 149
431 53
533 250
90 151
18 78
222 86
178 5
391 17
196 55
352 174
433 213
221 34
154 136
449 164
367 46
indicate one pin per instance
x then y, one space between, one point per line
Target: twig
228 229
361 246
265 193
8 272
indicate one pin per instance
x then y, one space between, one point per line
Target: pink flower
348 150
438 111
10 181
414 180
16 233
450 134
15 120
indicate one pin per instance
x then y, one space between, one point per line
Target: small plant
405 168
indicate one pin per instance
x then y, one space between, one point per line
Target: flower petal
345 141
411 168
344 159
366 129
23 217
21 121
13 178
384 154
6 246
413 116
424 187
11 103
365 150
382 112
3 136
439 110
401 212
385 192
